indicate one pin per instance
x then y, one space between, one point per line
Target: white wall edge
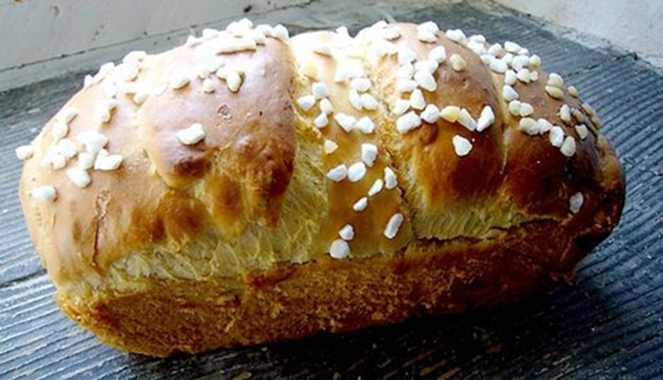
298 15
634 26
90 60
41 39
302 14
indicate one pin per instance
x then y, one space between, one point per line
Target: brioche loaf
249 187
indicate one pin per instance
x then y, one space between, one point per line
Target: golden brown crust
444 177
293 301
368 224
166 193
227 240
246 160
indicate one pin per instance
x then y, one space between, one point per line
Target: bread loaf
250 187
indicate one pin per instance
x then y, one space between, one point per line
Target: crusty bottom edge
293 301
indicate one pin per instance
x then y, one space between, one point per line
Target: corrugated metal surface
607 325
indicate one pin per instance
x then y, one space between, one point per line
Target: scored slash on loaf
279 186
